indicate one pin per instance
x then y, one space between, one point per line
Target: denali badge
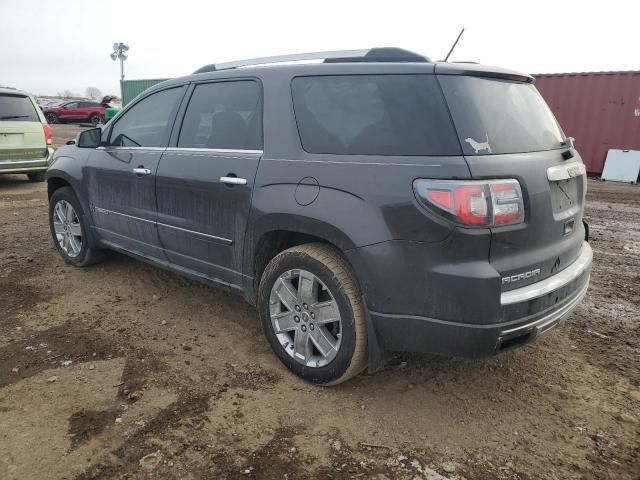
520 276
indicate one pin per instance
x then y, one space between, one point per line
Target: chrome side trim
552 317
213 237
104 211
559 280
352 163
221 151
566 171
17 160
115 147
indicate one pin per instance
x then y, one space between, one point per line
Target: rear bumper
27 165
552 300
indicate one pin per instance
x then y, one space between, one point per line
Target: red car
75 110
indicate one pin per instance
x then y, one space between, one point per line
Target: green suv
25 136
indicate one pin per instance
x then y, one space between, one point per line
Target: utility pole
120 52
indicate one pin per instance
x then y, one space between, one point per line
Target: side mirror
71 142
90 138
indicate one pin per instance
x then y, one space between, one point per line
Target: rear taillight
482 203
48 135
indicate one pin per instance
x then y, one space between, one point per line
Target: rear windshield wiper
8 117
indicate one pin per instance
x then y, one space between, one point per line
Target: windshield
497 116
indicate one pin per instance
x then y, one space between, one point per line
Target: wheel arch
57 178
275 233
56 182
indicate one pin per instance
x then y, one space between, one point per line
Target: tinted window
496 116
373 115
17 108
224 115
147 123
71 105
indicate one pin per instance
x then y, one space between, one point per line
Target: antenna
454 45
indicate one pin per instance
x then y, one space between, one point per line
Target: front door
204 183
120 177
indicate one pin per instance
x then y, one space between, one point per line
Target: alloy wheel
67 228
305 318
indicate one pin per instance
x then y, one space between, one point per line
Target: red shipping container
601 110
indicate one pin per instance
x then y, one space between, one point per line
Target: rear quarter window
17 108
373 115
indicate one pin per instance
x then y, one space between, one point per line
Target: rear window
17 108
497 116
373 115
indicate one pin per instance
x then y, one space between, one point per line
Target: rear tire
52 118
37 176
66 217
325 268
95 119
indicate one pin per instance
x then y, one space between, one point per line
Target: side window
71 105
373 115
148 122
224 115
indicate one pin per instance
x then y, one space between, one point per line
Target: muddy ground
122 370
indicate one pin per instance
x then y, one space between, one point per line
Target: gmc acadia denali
375 201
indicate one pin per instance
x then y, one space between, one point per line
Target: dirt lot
122 370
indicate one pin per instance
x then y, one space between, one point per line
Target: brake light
482 203
470 204
442 198
48 135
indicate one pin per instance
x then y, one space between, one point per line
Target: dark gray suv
375 201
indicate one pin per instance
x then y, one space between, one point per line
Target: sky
50 46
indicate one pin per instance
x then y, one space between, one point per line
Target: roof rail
337 56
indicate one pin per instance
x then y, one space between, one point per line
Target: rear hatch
21 133
507 131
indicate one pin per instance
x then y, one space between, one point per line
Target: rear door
84 110
204 182
22 141
70 111
507 131
120 177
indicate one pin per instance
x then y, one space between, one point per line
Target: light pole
120 52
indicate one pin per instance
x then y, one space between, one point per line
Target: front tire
311 310
52 118
69 229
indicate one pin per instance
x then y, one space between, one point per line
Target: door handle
142 171
233 180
